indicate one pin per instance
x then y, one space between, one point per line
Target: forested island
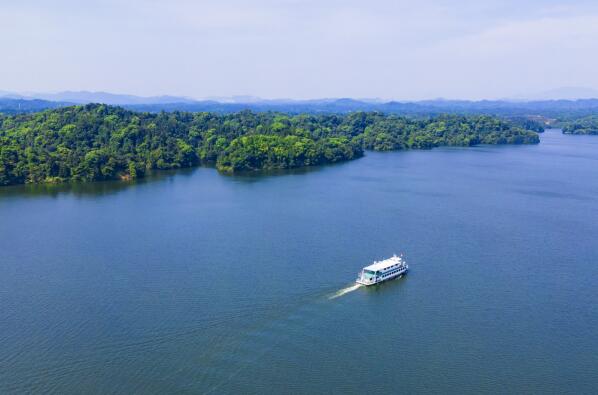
100 142
585 125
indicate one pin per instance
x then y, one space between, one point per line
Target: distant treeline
560 109
98 142
548 109
18 106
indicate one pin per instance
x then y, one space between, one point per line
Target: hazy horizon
301 49
565 93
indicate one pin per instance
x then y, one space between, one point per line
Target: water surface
195 282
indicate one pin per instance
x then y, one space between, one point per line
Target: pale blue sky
300 48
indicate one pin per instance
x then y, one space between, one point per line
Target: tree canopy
585 125
99 142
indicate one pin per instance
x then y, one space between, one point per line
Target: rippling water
194 282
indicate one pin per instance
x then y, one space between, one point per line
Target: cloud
534 55
292 48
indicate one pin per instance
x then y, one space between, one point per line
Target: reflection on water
83 189
261 175
101 188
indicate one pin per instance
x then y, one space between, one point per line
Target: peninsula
99 142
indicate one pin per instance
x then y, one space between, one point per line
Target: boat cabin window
369 274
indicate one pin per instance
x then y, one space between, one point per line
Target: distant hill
564 93
13 103
16 106
547 108
85 97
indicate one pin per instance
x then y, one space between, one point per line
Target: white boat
384 270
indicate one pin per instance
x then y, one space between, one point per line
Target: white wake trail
344 291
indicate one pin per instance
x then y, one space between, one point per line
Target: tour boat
381 271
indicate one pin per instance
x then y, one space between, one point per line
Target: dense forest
586 125
98 142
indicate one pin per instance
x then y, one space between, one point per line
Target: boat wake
344 291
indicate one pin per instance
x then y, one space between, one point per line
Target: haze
300 49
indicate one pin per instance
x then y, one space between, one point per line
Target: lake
197 282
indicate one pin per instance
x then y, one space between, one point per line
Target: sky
403 50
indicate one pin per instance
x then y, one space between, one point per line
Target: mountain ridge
15 103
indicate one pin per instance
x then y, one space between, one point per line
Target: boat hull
381 280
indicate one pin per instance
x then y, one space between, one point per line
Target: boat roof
383 264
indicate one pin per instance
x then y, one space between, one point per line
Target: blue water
195 282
